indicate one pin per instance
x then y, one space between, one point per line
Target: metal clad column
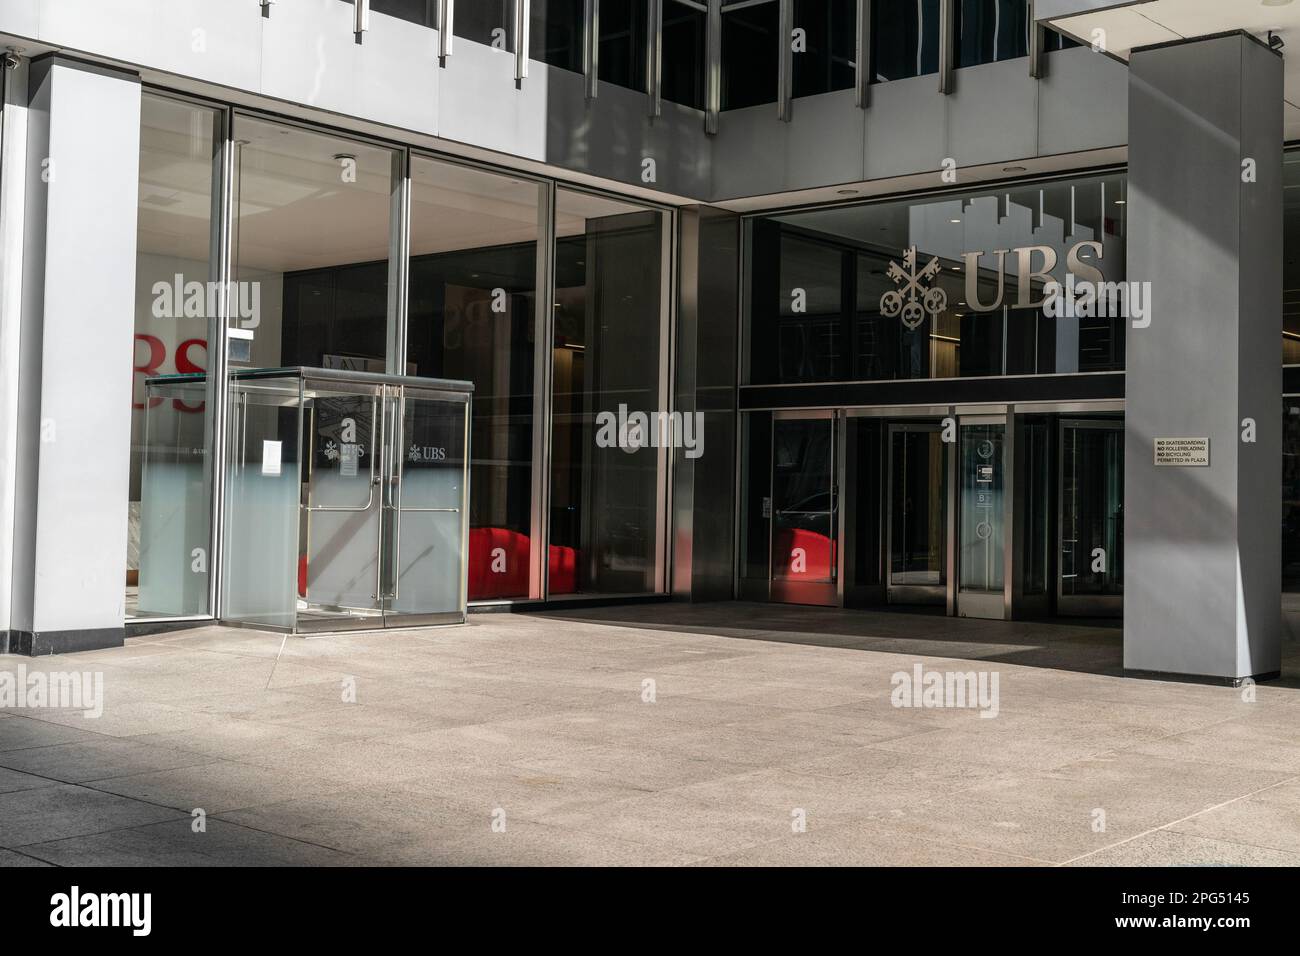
1202 562
785 65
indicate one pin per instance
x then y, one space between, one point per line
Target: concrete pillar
1202 577
74 394
13 187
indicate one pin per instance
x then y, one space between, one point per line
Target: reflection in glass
623 43
980 531
555 33
423 12
751 49
1291 493
918 496
312 237
472 314
991 30
1092 508
826 63
685 54
904 39
170 501
983 324
490 22
606 507
804 523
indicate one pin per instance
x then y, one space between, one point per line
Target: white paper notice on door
270 457
348 459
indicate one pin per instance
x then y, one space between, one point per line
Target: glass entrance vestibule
986 511
346 500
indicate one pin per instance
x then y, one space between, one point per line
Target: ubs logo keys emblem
912 299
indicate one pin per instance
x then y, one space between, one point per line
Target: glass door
981 526
424 519
918 514
1091 581
805 509
339 573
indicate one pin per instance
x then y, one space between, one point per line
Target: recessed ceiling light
1121 202
955 221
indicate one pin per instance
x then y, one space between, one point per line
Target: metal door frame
818 594
1080 605
395 479
386 473
936 594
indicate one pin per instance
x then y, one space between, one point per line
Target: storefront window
472 315
751 51
832 296
991 30
169 554
823 45
904 39
607 466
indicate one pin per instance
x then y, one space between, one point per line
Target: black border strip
1107 386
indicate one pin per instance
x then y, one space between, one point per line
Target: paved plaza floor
653 734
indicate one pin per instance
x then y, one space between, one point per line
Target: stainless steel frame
654 56
713 74
947 44
591 47
521 26
785 65
1037 46
446 21
862 48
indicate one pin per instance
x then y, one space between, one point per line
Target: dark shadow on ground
1088 646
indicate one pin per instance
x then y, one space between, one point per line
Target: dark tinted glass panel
1058 41
555 33
824 52
423 12
1291 494
991 30
684 54
605 507
1291 259
623 31
904 39
490 22
750 55
894 318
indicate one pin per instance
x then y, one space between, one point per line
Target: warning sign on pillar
1185 452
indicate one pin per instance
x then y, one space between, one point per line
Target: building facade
980 305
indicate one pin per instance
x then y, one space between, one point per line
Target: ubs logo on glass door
912 299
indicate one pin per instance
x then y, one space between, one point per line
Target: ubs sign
915 297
